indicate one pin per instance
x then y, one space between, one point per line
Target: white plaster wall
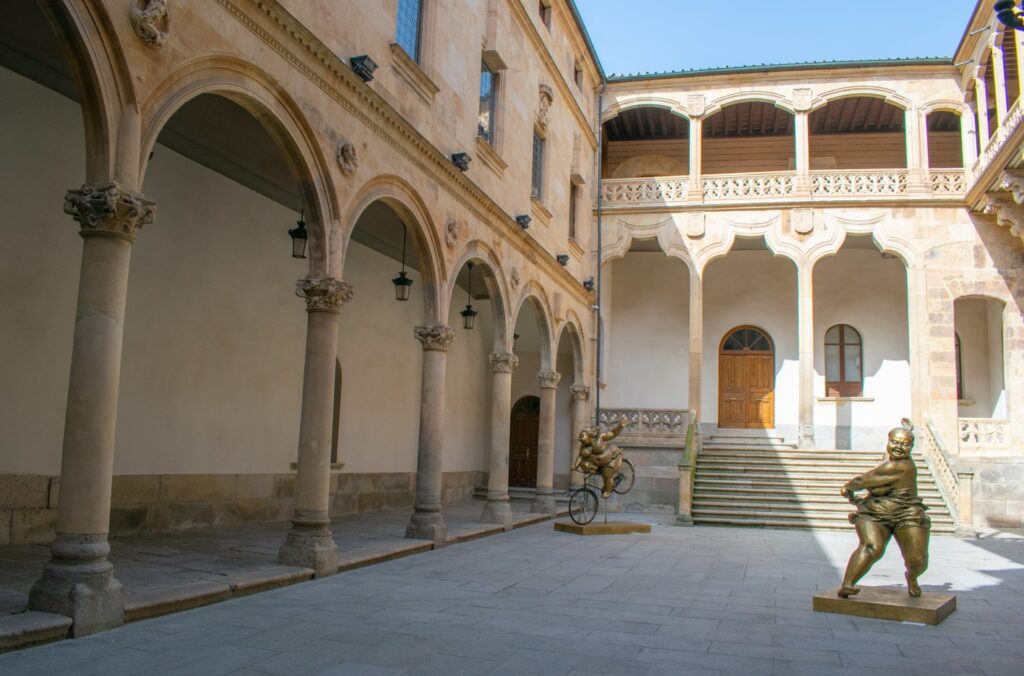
752 288
979 323
468 390
42 154
648 332
997 384
861 289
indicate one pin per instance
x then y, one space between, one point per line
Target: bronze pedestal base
883 603
610 528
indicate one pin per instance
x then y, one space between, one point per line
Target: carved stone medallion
348 159
151 20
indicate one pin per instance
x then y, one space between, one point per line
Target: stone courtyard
679 601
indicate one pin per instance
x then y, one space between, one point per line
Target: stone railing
1014 119
984 434
859 183
955 485
661 190
648 422
749 186
947 181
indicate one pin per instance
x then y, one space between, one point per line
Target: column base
310 545
499 511
79 582
424 525
543 503
684 520
806 440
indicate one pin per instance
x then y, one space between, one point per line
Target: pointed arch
573 330
480 253
534 295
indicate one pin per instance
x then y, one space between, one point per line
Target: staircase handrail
954 484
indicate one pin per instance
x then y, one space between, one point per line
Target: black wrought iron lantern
402 282
1010 14
469 314
299 237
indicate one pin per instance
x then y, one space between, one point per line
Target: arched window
844 376
959 368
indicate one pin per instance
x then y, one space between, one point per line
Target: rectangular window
410 19
538 165
573 196
545 12
578 75
488 101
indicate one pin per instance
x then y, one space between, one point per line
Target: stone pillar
580 422
999 78
696 140
544 503
981 103
805 331
802 151
696 343
309 543
1019 37
79 581
915 163
968 142
497 509
427 522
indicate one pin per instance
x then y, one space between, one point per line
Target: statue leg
873 539
913 542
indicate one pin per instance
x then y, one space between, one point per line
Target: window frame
545 10
843 387
418 45
537 166
574 195
959 355
491 137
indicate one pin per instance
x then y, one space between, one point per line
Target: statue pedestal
883 603
610 528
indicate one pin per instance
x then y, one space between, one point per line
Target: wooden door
746 380
522 447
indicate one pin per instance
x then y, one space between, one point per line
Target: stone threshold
20 630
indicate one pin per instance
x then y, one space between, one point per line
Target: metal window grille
488 101
538 165
410 15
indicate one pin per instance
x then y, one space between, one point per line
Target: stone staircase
744 479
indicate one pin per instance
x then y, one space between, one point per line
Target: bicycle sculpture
598 457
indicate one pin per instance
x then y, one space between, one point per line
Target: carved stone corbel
151 20
1008 214
1013 182
109 208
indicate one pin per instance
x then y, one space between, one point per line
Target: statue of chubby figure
890 509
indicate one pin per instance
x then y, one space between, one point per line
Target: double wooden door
522 447
746 380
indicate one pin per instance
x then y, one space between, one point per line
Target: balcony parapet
782 187
1000 141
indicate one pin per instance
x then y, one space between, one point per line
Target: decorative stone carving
451 233
802 221
110 208
803 97
547 97
348 159
696 105
580 392
323 295
514 278
503 362
1008 214
548 379
695 224
1013 181
435 338
666 422
151 21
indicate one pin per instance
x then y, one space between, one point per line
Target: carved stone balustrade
648 426
645 191
749 186
984 434
859 183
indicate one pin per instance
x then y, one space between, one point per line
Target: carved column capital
580 392
503 362
323 295
109 209
435 338
549 379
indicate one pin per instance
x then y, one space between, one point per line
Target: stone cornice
328 71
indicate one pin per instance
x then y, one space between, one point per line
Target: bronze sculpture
597 455
891 508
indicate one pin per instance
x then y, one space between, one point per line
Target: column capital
503 362
548 379
110 209
580 392
435 338
323 295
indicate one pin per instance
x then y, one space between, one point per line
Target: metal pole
600 253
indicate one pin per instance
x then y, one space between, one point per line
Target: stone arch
672 105
890 96
263 98
948 105
777 100
407 203
534 294
573 330
479 253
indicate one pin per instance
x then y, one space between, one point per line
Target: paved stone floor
533 601
146 562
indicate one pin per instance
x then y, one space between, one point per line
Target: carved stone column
696 192
968 142
802 152
696 343
999 78
544 503
497 509
79 580
981 104
309 543
580 420
427 522
805 332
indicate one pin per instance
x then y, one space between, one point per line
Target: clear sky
658 35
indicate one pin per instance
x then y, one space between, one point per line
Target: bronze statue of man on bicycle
599 457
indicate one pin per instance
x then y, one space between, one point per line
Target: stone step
765 448
805 507
773 492
799 523
772 464
30 628
790 454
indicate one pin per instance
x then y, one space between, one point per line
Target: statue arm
614 432
883 475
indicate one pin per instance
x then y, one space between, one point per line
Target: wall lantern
515 341
1008 13
563 259
461 161
299 237
588 284
402 282
523 221
469 314
363 66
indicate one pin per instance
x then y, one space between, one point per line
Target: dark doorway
522 460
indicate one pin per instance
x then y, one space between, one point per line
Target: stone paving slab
677 601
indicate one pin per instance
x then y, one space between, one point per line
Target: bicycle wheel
625 478
583 506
